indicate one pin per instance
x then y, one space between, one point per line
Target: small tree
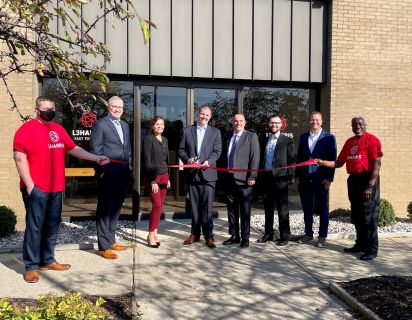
386 214
410 210
25 31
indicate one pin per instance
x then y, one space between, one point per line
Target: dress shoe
321 242
232 240
56 266
368 256
191 239
282 242
265 238
158 243
31 276
305 239
108 254
150 245
210 242
118 247
244 243
354 249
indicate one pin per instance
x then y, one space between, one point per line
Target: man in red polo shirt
362 155
39 151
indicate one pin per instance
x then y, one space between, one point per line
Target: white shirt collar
313 135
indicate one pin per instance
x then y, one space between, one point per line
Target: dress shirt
117 124
200 135
270 149
233 140
312 140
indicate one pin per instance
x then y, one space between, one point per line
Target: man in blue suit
313 182
110 136
201 143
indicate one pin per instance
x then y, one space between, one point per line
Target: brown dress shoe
191 239
56 266
108 254
210 242
31 276
118 247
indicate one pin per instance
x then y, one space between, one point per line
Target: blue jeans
43 215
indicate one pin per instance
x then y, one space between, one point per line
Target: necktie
232 152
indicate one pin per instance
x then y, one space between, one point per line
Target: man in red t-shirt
362 155
39 150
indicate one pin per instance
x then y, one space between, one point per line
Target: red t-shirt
45 146
360 153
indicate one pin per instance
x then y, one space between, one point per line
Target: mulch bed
389 297
118 307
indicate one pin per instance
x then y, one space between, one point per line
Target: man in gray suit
110 136
240 151
201 144
278 152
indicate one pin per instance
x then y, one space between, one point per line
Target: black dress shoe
282 242
354 249
244 243
368 256
232 240
265 238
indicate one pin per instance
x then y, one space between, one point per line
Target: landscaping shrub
340 212
410 210
386 214
70 306
8 221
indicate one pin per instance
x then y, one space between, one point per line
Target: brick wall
371 74
24 88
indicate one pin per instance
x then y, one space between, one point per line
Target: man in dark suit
240 151
278 152
201 144
313 182
110 136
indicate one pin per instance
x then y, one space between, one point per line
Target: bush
410 210
8 221
70 306
386 214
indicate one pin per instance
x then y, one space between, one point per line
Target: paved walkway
182 282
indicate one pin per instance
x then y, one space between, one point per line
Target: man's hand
327 184
367 193
168 184
251 181
102 160
30 188
205 164
192 160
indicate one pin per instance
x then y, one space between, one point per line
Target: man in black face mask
39 150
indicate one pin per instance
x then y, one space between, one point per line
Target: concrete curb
352 302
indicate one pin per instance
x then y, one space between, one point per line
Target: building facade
343 58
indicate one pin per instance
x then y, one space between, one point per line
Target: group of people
39 152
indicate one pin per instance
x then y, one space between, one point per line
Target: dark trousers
276 192
43 215
312 192
239 204
157 200
112 191
365 212
201 195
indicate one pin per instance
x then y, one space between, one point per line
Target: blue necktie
232 152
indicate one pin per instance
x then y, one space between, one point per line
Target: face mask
47 115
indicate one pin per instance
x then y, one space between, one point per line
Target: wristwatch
370 185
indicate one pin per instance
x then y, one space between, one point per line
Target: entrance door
170 103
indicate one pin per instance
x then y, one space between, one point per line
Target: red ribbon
201 166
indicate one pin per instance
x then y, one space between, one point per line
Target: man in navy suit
313 182
110 136
240 151
279 151
201 143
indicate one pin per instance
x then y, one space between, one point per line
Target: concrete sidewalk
182 282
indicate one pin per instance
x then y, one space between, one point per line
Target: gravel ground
85 232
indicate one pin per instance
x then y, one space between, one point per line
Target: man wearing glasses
110 136
278 152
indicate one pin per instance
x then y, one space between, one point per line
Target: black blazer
105 140
211 150
247 155
285 155
325 149
155 156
